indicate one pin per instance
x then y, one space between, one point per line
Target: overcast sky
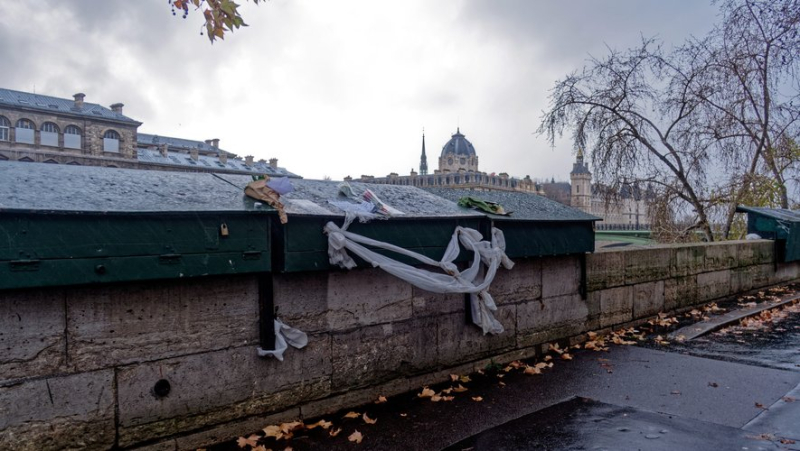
336 87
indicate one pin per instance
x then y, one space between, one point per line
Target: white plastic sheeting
284 337
472 280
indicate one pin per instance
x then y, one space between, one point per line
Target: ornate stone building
458 168
625 208
45 129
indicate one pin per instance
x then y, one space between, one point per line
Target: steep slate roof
50 104
147 139
525 206
210 163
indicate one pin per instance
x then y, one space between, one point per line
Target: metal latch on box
24 265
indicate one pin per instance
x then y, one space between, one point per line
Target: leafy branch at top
221 16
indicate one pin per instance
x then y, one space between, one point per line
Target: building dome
459 145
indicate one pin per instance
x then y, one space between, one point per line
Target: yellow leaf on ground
532 370
460 389
566 356
251 441
321 424
272 431
355 437
448 398
261 448
335 432
426 393
477 398
368 420
380 400
464 379
436 398
291 426
454 377
547 358
541 366
447 390
351 415
591 335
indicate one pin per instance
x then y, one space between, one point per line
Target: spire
579 158
423 160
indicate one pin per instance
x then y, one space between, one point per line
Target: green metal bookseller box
70 225
425 226
777 224
537 226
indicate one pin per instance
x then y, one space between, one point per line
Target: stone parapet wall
79 366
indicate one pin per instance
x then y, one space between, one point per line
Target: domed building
458 168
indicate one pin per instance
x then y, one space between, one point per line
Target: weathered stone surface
750 277
219 386
233 429
687 260
366 296
648 299
680 292
459 341
786 272
754 252
31 333
605 270
523 282
616 305
374 354
353 398
126 323
426 303
713 285
550 318
302 300
645 265
560 276
75 411
721 255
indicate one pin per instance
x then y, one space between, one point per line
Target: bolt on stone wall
80 365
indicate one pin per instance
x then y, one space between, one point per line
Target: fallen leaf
251 441
425 393
460 389
591 335
355 437
713 384
760 406
335 432
547 358
380 400
272 431
501 384
515 364
448 398
436 398
368 420
541 366
291 426
288 448
464 379
259 448
787 441
351 415
321 424
403 415
454 377
532 370
477 398
566 356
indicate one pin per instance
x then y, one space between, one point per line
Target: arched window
5 127
48 135
72 137
24 131
111 141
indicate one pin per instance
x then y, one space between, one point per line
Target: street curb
696 330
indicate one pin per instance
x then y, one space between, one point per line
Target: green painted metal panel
776 224
537 239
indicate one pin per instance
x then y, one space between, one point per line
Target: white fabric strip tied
284 336
471 280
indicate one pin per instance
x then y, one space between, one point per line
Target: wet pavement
711 393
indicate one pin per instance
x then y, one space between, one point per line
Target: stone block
353 398
616 305
459 341
302 300
121 324
687 260
217 387
713 285
755 252
721 255
550 319
363 297
427 304
233 429
560 276
680 292
645 265
605 270
374 354
32 340
67 412
751 277
787 272
523 282
648 299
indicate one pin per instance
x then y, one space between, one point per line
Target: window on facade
48 135
577 189
5 127
111 141
24 131
72 137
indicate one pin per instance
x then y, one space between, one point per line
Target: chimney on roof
194 154
162 149
79 99
223 158
215 142
273 163
208 141
117 108
248 160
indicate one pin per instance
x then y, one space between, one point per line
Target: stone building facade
45 129
458 168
